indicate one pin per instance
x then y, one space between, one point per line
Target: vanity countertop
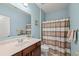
10 47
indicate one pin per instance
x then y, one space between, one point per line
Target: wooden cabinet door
37 51
28 51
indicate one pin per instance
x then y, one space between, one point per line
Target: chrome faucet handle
21 40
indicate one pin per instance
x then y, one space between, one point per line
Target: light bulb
25 4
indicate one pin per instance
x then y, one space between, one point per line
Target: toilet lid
44 46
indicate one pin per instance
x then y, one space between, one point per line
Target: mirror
14 21
25 29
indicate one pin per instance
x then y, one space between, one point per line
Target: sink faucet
20 40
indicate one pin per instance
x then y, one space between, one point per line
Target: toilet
44 50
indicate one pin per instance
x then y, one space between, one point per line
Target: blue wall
57 14
42 15
18 18
74 19
35 15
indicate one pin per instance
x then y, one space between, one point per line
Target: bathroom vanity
13 47
33 50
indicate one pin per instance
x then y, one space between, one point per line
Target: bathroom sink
21 42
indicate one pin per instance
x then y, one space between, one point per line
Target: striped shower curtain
54 35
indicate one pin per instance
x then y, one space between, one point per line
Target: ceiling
48 7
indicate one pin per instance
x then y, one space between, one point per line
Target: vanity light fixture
25 4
